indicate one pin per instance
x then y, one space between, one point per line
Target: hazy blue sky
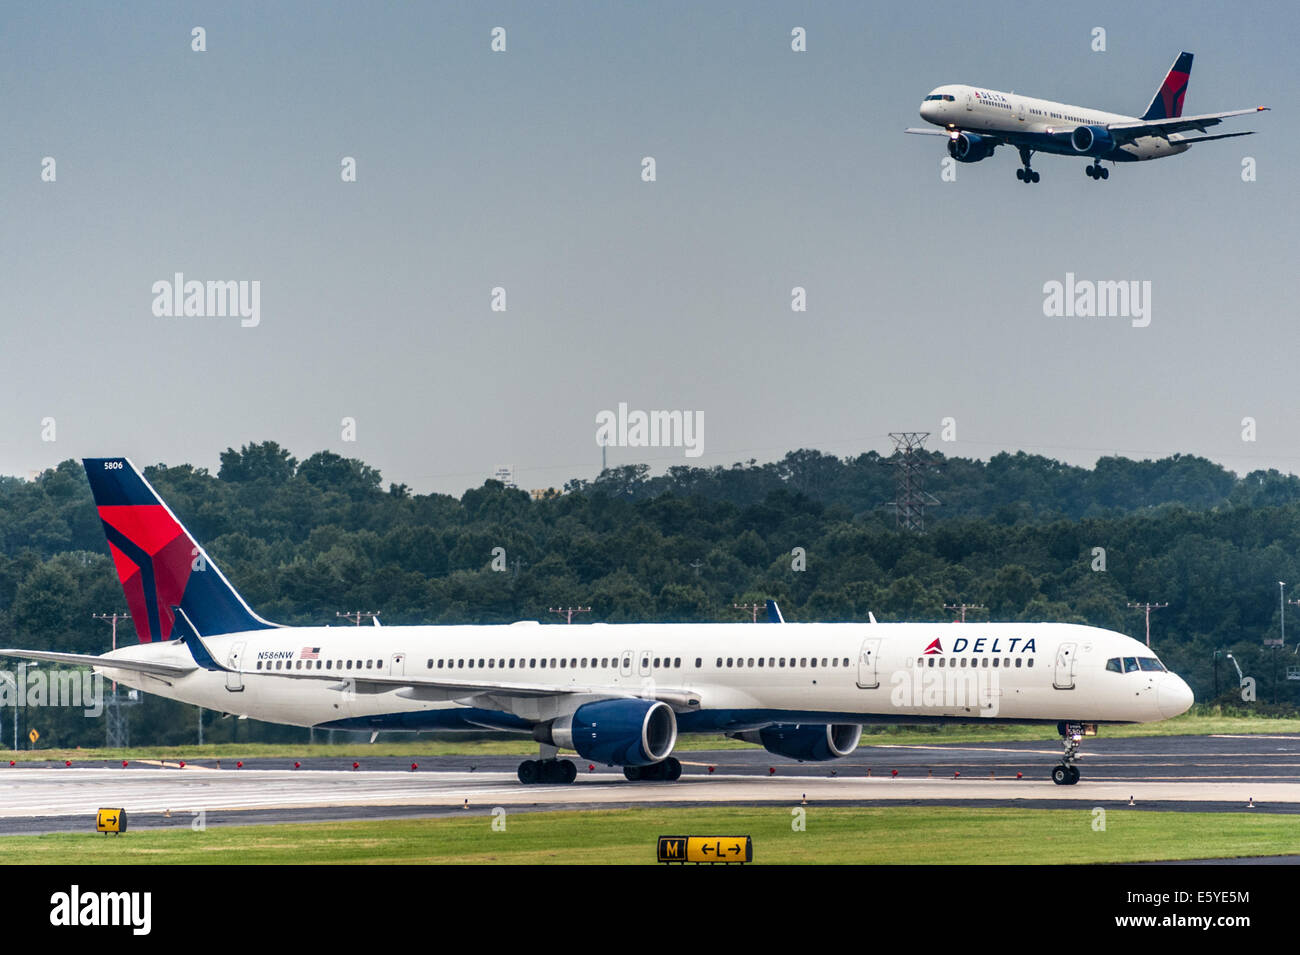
522 170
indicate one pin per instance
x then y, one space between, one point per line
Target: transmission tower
117 732
911 497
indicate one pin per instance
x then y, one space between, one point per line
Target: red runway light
414 767
297 765
710 768
239 765
124 764
893 773
182 764
356 765
771 770
67 762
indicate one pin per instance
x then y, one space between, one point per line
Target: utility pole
963 607
1147 608
356 616
752 608
568 612
117 733
1297 647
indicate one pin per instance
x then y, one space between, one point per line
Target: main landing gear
1026 175
547 771
1095 171
669 771
1067 774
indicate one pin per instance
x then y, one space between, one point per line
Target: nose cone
928 111
1174 696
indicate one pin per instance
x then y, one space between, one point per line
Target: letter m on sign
672 848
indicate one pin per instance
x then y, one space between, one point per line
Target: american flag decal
310 653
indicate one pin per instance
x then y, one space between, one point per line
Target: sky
523 170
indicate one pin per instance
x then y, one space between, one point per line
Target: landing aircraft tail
159 563
1168 101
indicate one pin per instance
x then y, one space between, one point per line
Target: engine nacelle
807 742
1092 140
969 147
617 732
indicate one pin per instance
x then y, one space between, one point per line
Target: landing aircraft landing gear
1026 174
1067 774
669 770
533 771
1095 171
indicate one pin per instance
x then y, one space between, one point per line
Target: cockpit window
1151 663
945 97
1130 665
1113 665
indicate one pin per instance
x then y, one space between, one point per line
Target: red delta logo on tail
159 563
934 647
1168 101
154 557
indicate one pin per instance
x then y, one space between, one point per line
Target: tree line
1027 537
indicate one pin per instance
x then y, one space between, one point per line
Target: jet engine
806 742
1092 140
616 732
969 147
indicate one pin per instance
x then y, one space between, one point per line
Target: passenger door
868 669
1064 676
234 678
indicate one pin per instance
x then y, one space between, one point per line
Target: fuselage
724 677
1043 125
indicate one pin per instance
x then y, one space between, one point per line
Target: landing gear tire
672 769
1020 174
1096 171
528 772
633 773
1074 775
1061 775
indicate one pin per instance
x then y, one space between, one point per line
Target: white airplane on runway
615 693
977 121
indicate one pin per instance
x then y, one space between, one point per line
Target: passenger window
698 663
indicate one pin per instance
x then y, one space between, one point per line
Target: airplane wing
90 659
927 132
1126 132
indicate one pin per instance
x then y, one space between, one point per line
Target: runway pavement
1215 773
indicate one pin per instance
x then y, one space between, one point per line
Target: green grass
1195 723
921 835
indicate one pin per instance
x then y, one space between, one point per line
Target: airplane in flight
977 120
616 694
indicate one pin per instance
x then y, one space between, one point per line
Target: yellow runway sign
706 849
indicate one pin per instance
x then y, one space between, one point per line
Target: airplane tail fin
1168 101
159 563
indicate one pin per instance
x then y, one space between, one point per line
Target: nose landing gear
1067 774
